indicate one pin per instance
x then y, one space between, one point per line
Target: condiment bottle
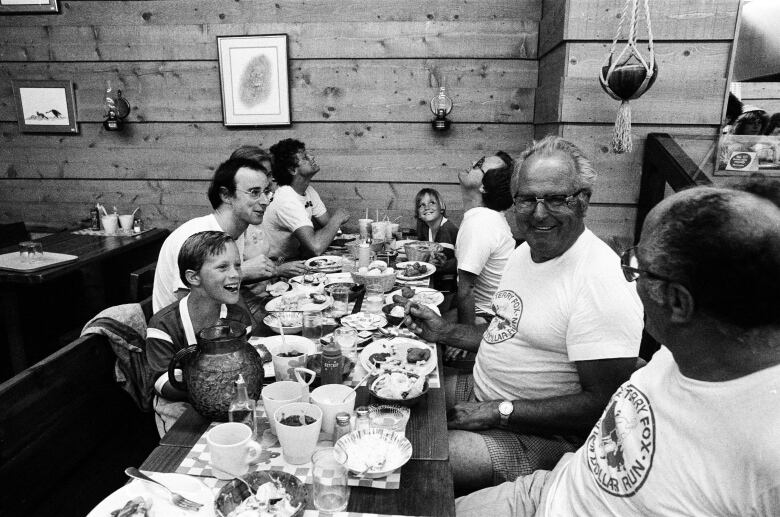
332 364
242 408
361 420
94 218
342 425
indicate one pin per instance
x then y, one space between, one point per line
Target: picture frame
45 106
254 80
29 7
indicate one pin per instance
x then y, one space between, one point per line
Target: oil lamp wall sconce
441 106
116 109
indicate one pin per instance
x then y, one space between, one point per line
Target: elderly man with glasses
565 335
696 431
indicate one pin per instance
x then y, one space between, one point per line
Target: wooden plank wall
763 95
692 43
362 74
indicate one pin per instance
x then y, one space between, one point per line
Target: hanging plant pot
627 81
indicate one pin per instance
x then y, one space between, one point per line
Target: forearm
575 413
465 337
321 239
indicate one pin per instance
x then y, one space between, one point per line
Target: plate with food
364 321
309 279
399 354
291 322
421 295
375 453
277 288
299 301
145 498
274 492
404 389
324 263
414 270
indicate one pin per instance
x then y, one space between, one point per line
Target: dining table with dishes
370 441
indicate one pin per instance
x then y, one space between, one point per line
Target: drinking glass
374 299
340 300
30 251
348 263
346 338
329 475
312 325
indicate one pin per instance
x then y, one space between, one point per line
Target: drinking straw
377 214
281 332
134 211
116 211
366 213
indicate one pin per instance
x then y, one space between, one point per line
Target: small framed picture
45 106
253 76
29 7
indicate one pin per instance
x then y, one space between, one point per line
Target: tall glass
346 338
329 475
340 300
312 325
374 299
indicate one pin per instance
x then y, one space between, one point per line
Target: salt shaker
342 425
362 421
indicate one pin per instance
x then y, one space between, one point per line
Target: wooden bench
67 431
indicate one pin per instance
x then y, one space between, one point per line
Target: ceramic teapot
211 367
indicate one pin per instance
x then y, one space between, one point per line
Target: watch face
505 408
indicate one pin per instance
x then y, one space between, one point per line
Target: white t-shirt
575 307
166 274
483 246
287 212
670 445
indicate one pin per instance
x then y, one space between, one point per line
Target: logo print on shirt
621 446
508 307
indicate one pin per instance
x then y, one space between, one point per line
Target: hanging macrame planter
628 75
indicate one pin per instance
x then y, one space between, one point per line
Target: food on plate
364 321
379 358
277 288
287 319
270 499
314 278
402 332
415 355
374 272
323 263
415 269
297 420
136 507
318 297
407 292
296 300
397 311
398 385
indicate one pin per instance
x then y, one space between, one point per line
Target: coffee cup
288 354
231 449
126 222
276 395
298 427
110 223
333 399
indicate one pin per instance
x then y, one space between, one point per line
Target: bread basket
418 251
385 281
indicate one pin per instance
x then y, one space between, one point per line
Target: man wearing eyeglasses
696 431
238 194
290 221
565 334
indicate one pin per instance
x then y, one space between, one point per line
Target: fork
176 498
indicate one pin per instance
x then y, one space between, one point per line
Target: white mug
232 449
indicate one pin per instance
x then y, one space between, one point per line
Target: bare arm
466 283
430 326
316 242
569 413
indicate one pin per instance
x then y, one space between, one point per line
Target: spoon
358 385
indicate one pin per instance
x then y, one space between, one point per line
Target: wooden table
426 480
98 279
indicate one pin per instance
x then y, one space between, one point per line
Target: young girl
433 226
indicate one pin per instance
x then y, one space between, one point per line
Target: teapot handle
176 361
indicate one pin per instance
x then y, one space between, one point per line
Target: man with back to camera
694 432
565 334
289 222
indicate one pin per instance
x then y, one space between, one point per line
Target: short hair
285 160
760 185
197 248
749 118
496 184
772 124
432 192
725 251
551 144
225 176
254 153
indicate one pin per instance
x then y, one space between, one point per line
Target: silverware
177 499
358 385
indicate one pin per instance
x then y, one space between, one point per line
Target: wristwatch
505 409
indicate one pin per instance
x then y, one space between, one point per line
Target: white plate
364 321
422 295
309 282
330 263
367 447
188 486
397 348
272 322
276 304
399 267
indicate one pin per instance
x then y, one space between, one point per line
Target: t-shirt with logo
287 212
670 445
575 307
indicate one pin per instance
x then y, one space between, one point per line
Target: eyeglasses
553 202
629 263
478 165
255 193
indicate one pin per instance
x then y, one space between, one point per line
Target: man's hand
257 268
291 269
474 416
438 258
340 215
453 354
422 320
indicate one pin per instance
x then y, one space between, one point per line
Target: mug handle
254 450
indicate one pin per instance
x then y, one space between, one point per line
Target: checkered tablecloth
358 372
197 463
